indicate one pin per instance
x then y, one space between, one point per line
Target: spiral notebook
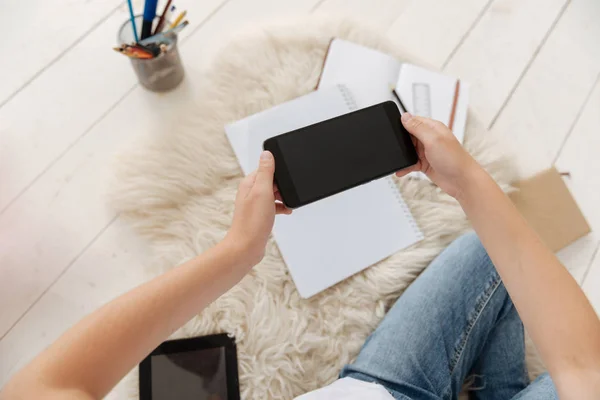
332 239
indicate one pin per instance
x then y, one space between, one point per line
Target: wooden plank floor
534 66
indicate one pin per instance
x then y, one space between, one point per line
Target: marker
149 14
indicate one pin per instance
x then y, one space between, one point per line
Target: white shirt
349 389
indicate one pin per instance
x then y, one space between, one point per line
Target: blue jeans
455 320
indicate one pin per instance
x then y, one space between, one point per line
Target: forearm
556 313
97 352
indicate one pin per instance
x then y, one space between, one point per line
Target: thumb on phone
417 126
266 169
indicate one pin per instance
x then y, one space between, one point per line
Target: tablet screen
201 368
197 375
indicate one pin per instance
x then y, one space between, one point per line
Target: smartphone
331 156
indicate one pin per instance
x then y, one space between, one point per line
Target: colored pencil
454 104
132 18
161 21
149 15
178 19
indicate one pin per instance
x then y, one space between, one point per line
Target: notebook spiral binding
348 98
351 103
405 208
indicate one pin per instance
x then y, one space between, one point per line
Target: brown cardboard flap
548 206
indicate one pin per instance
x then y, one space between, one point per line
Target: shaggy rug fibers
177 189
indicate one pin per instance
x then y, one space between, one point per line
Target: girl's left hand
256 204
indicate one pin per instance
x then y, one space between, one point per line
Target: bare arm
91 358
558 316
554 310
96 353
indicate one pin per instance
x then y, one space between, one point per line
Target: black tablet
203 368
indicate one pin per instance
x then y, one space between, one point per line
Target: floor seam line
62 273
529 64
60 55
467 34
94 123
588 97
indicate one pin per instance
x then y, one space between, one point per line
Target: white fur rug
177 189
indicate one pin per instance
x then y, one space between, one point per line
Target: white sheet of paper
327 241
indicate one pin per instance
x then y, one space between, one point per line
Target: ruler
421 99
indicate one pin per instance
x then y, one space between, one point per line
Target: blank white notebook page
369 74
329 240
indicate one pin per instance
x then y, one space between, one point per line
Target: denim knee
466 263
472 257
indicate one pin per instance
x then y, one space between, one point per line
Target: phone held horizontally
326 158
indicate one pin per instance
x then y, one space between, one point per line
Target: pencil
454 104
400 103
178 19
161 20
132 18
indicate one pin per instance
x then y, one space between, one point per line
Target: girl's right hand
441 156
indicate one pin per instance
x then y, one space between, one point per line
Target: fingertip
266 170
266 155
267 162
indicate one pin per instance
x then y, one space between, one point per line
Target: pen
149 14
402 108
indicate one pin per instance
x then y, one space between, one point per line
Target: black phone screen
343 152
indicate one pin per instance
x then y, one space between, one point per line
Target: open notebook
327 241
371 75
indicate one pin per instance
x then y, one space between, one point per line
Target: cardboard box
548 206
